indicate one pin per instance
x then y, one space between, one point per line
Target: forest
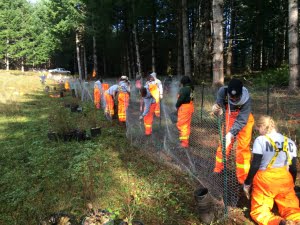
207 40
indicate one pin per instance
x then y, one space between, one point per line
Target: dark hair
185 80
143 92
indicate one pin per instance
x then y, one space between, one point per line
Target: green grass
39 177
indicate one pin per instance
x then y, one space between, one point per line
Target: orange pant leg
219 156
243 152
185 113
123 101
109 104
148 120
97 98
157 109
273 184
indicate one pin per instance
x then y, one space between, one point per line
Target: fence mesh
206 132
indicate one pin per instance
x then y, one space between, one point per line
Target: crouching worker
149 110
272 176
110 96
185 108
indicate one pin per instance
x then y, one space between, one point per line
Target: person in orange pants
97 93
123 98
67 85
185 109
109 96
239 122
156 90
272 174
149 108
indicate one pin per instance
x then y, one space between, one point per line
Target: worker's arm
148 100
221 97
147 104
293 169
255 164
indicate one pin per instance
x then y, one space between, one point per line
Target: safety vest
154 91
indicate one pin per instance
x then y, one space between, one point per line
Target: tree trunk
258 37
138 57
293 45
218 68
186 41
153 31
22 65
179 44
203 43
78 55
7 57
95 58
128 63
231 38
131 51
85 64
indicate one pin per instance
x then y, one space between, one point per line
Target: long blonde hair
266 123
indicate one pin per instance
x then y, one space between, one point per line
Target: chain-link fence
206 133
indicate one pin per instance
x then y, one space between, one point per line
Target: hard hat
153 74
124 78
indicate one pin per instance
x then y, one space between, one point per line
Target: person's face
261 130
235 98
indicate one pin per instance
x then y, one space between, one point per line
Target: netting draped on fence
206 133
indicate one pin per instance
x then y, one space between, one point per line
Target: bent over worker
239 122
110 96
185 109
272 174
123 98
149 108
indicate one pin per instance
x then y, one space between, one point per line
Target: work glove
141 117
246 189
217 110
229 136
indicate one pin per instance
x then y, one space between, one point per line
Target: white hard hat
124 77
153 74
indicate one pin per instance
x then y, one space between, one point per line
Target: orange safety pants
148 120
157 109
97 97
67 86
155 94
274 184
105 86
185 113
123 101
243 153
109 104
